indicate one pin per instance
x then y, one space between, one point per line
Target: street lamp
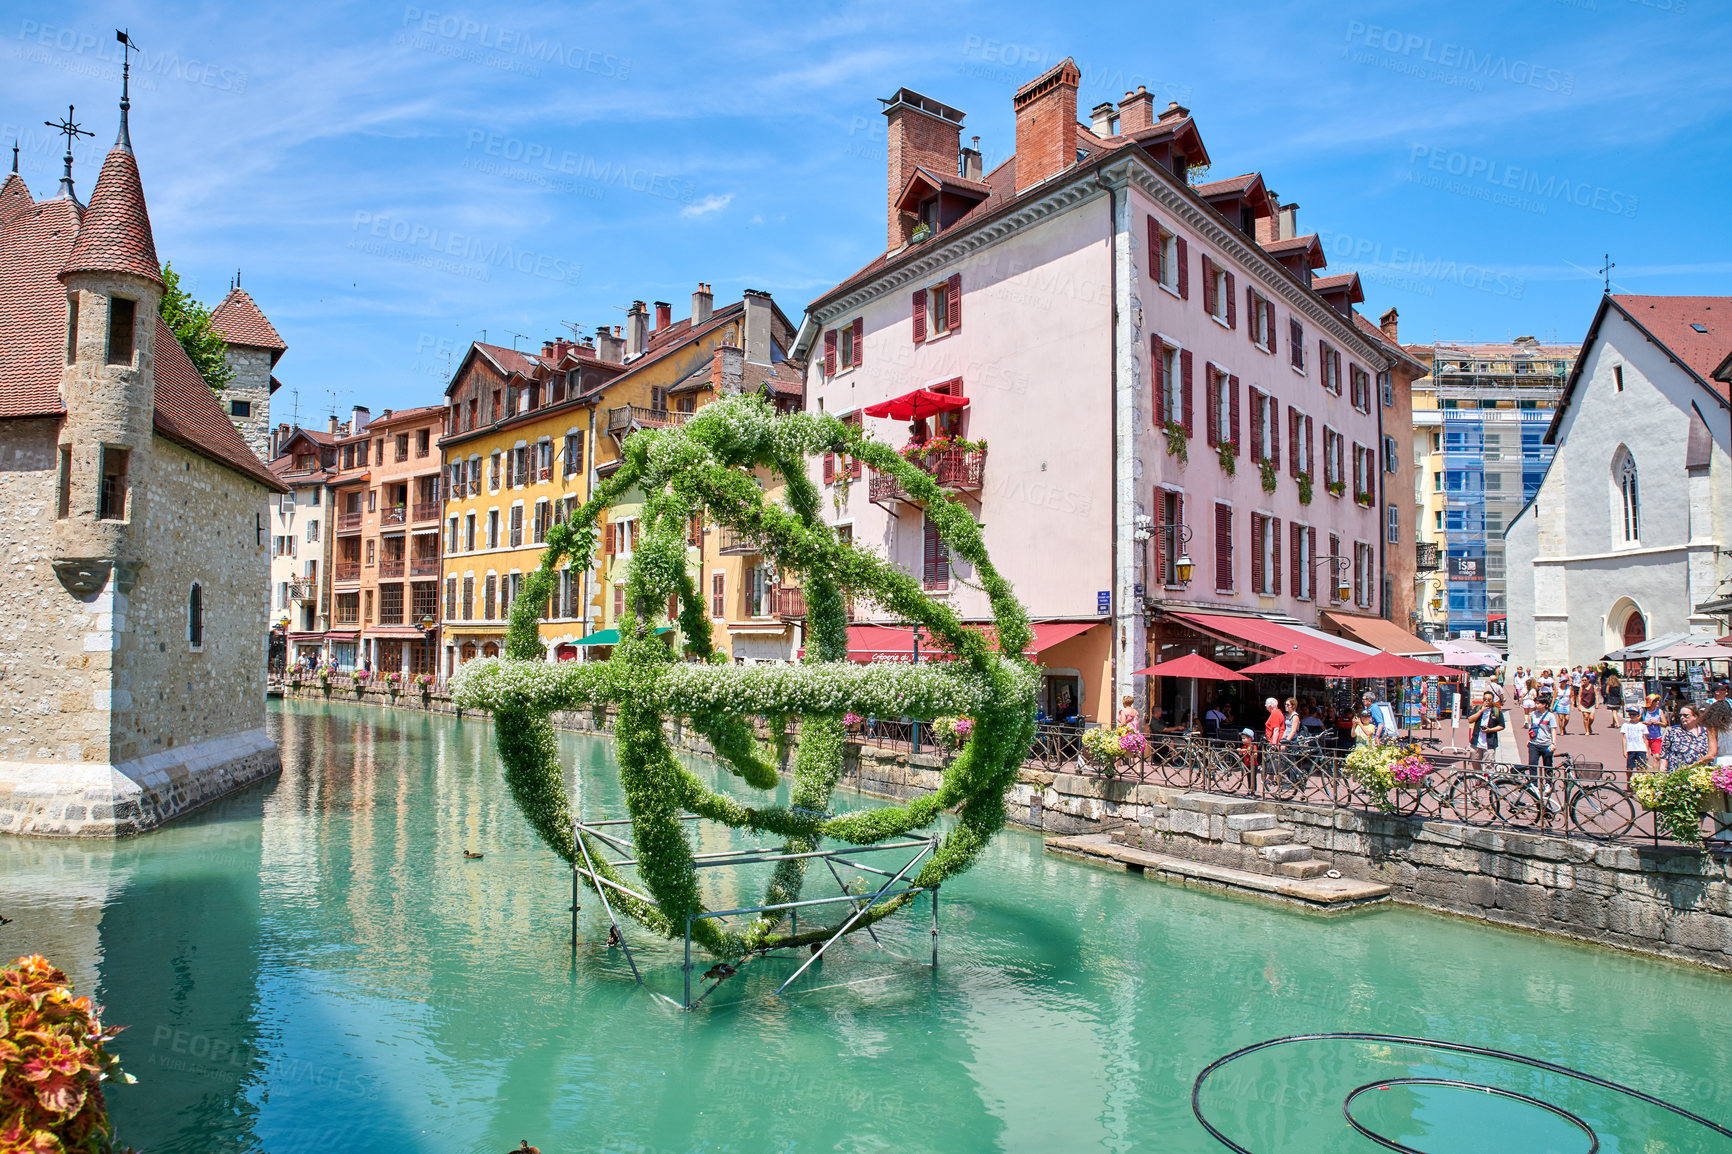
1177 535
1338 567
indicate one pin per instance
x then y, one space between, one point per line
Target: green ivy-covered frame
707 465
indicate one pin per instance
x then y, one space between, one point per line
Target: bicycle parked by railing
1581 800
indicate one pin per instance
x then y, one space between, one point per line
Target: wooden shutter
695 530
1298 535
634 525
1233 414
854 470
1160 538
609 548
919 315
1275 433
1311 553
1334 553
1310 447
1223 548
673 608
1293 441
1251 314
718 598
1212 403
1323 365
1184 269
829 467
1269 311
830 353
1275 557
936 569
1256 426
953 301
1159 377
859 338
1232 303
1208 284
1185 391
1256 552
1154 250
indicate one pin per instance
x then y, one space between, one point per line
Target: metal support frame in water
755 855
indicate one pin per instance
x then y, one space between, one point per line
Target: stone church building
132 540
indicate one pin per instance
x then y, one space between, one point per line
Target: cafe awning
916 405
611 636
1268 636
878 642
1383 634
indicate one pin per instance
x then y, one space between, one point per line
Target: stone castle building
253 351
132 660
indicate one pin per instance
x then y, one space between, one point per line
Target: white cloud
707 205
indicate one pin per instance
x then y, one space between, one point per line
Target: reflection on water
312 965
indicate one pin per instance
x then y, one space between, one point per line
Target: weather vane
70 130
127 48
1606 271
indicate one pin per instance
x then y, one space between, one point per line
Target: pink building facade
1122 338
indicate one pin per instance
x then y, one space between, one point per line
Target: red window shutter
634 525
854 469
1275 556
1251 314
829 467
1256 426
1208 284
859 338
718 600
1160 538
1311 552
1184 269
1154 250
953 301
919 315
1185 393
1212 403
1257 552
673 607
1223 548
1275 433
1179 519
1269 310
1298 535
1323 362
1310 446
1293 441
1233 414
1232 303
695 531
610 548
1159 377
936 568
830 353
1334 577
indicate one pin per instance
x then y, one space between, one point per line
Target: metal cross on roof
70 130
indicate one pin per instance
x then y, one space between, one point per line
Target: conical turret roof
115 235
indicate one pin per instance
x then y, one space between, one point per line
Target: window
490 597
1299 437
65 504
469 533
1266 555
1618 377
1335 577
493 472
1221 394
493 528
1361 389
573 454
423 442
1438 517
516 526
402 447
111 503
1265 434
1262 320
361 454
312 530
391 604
542 510
1386 388
937 317
1391 454
935 558
1169 517
1329 365
450 598
240 408
71 328
1167 259
120 324
1167 371
195 616
1217 291
1629 496
845 345
1301 538
1296 343
1392 525
718 603
1223 548
451 535
468 598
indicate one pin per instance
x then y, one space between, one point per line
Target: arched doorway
1635 629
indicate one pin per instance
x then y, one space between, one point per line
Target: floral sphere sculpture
705 466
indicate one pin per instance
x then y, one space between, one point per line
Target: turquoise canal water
314 966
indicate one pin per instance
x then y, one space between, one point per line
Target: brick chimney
1046 124
1269 227
336 425
703 304
727 370
1136 111
919 133
758 316
636 329
1388 323
664 315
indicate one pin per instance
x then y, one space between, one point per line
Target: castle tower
254 347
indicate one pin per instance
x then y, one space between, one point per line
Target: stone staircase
1230 831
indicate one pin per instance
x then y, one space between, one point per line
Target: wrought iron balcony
424 567
954 470
347 571
426 511
391 567
735 542
349 520
396 515
305 589
1426 553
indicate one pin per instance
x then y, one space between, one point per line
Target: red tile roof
1669 320
33 307
242 322
115 235
15 198
188 413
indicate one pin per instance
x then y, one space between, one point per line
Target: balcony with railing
424 567
396 515
304 589
788 601
1426 554
346 571
347 522
391 567
954 470
625 418
426 511
736 543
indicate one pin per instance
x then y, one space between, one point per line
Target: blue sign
1138 591
1104 601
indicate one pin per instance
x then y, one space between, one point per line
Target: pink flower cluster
1132 743
1721 778
1410 769
964 727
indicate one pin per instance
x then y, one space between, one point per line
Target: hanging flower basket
1267 467
1107 749
1227 452
1178 441
1305 488
1679 797
1382 768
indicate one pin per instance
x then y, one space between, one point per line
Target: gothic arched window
1629 501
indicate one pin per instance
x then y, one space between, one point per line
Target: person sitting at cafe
1214 721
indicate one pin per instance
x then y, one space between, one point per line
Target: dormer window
929 213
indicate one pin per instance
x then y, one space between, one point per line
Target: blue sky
394 179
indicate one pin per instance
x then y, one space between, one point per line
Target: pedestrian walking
1717 717
1655 719
1542 737
1128 714
1687 743
1275 725
1635 739
1485 723
1588 698
1561 709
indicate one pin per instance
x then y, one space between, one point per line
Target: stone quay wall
1670 901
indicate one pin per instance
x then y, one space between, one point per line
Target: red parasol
1192 665
915 406
1393 665
1295 663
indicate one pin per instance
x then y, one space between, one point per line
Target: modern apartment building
1480 415
1186 422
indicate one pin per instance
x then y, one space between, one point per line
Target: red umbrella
1393 665
919 404
1192 665
1296 663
